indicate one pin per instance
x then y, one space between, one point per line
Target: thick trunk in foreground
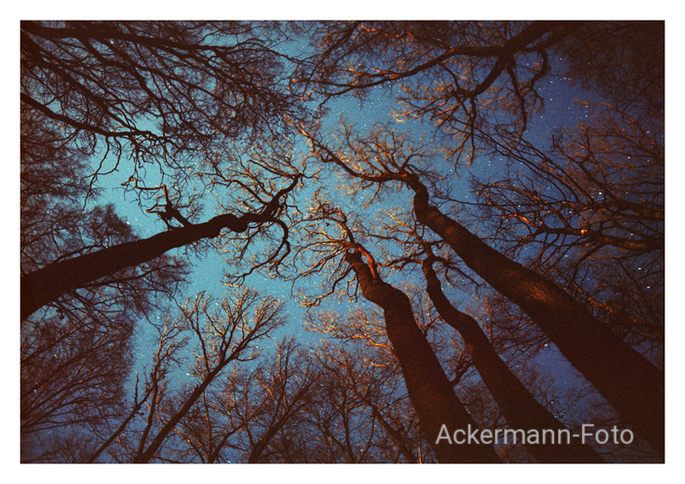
430 391
519 408
47 284
628 381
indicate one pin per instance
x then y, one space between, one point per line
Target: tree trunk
429 389
517 405
161 436
628 381
47 284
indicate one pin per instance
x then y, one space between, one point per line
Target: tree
624 62
142 142
223 337
429 389
267 406
518 406
97 85
592 201
72 374
48 283
578 212
75 351
362 413
624 377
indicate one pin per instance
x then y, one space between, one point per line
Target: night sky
561 108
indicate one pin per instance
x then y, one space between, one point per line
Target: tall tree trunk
47 284
149 453
429 389
517 405
628 381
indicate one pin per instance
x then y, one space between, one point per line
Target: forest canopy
342 242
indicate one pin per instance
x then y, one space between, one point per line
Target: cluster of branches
380 388
571 327
234 403
469 77
161 92
91 89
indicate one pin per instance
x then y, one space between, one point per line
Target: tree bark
628 381
161 436
429 389
47 284
517 405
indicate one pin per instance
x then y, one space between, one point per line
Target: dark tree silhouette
45 285
223 134
75 352
266 405
96 85
223 336
631 384
362 412
429 389
591 210
199 83
359 394
517 405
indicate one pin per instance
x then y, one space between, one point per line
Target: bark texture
429 389
628 381
518 406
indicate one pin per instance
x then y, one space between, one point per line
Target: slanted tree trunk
47 284
517 405
164 432
628 381
429 389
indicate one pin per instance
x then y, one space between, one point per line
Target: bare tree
377 421
516 403
201 82
221 136
430 391
46 284
590 213
223 335
633 385
75 351
262 405
469 77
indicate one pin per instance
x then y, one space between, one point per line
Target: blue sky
207 272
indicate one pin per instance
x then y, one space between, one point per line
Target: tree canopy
342 241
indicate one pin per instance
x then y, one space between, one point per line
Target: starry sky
560 108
